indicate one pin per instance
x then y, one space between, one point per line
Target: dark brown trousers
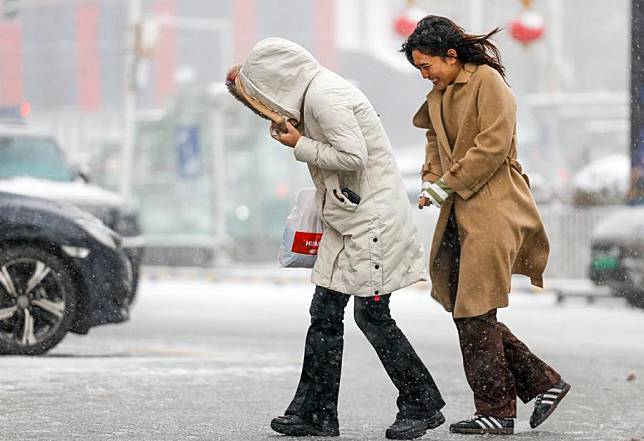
498 366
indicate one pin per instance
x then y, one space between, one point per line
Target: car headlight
99 232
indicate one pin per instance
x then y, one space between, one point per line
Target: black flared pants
316 398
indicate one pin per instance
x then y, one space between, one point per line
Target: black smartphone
351 195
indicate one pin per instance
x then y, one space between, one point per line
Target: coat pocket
339 212
337 197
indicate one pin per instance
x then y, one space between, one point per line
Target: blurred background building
134 92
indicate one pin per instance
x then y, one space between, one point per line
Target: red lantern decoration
406 22
528 27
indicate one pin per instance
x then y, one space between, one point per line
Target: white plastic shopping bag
302 233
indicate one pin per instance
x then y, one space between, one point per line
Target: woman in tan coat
489 226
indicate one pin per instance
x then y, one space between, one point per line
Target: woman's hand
434 193
288 138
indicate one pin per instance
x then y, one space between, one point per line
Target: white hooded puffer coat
372 248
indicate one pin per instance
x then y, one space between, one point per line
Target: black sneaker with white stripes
547 402
482 424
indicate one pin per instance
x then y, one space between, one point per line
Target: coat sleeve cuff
429 173
306 150
461 182
430 177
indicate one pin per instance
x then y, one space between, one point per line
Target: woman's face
440 71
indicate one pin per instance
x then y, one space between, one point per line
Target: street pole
636 194
222 240
554 85
129 101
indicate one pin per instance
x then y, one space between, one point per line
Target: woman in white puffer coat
370 246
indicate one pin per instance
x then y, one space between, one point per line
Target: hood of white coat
277 72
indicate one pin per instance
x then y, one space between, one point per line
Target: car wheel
37 300
635 298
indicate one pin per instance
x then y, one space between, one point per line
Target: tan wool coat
471 144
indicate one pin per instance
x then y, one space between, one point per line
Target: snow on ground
210 360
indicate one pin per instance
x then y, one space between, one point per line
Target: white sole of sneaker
474 431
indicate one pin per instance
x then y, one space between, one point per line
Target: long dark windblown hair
435 35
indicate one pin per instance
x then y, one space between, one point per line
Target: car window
38 157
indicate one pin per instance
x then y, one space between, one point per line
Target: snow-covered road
204 360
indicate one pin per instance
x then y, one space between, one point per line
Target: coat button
375 239
377 292
377 266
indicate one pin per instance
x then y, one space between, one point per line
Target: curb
258 274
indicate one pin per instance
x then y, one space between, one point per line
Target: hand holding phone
277 128
286 134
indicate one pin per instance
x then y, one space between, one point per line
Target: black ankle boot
411 428
294 425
